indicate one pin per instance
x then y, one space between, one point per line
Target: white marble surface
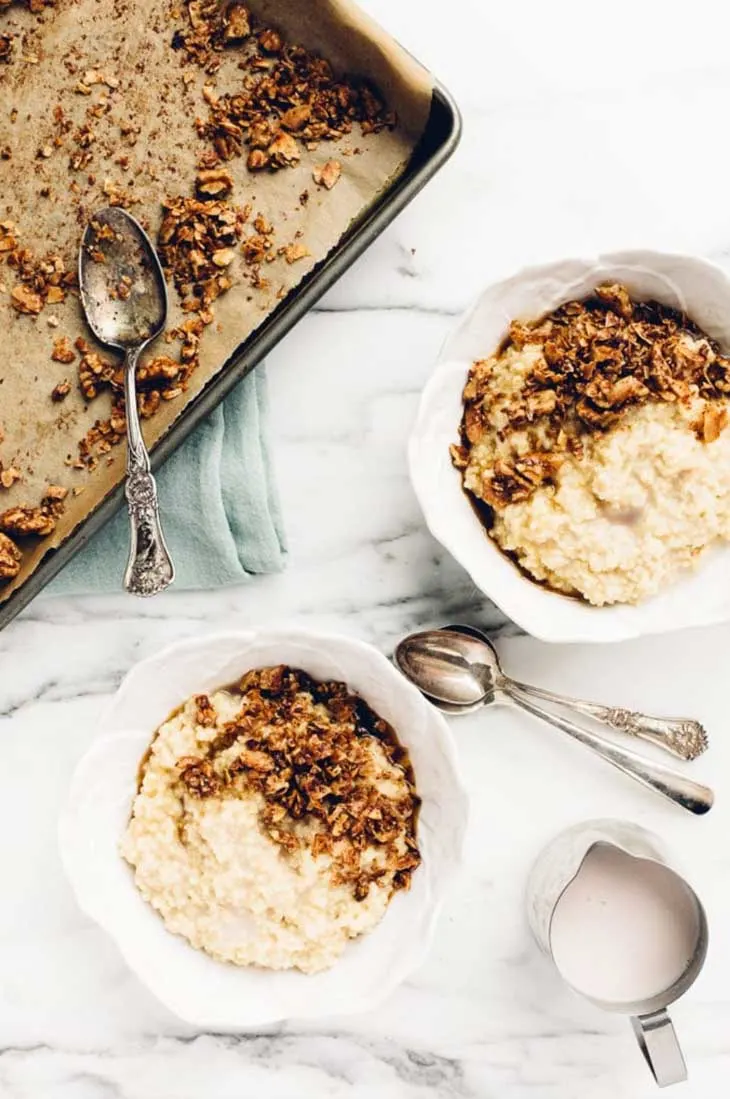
587 127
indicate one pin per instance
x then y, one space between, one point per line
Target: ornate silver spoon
450 668
123 294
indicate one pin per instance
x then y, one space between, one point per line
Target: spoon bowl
451 667
121 281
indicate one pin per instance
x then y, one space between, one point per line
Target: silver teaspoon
446 665
681 736
124 297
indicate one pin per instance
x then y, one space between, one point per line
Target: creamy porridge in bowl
267 826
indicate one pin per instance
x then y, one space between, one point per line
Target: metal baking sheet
438 142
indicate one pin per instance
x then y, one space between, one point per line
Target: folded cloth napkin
219 506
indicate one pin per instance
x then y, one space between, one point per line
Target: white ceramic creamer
623 928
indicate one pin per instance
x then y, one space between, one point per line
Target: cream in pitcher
623 929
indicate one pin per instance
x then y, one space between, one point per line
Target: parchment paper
129 41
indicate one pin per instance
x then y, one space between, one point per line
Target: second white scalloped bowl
699 288
207 993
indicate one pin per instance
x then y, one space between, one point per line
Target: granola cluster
41 281
196 243
592 361
289 98
213 27
304 746
20 523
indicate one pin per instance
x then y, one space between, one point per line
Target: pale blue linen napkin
219 506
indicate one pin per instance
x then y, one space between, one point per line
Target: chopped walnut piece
148 404
7 240
116 194
9 476
459 456
159 369
6 46
55 295
204 711
10 558
253 760
95 373
222 257
25 300
270 41
283 150
327 175
617 297
296 117
712 423
100 438
295 252
511 482
61 391
20 521
261 134
53 500
63 352
214 182
237 23
54 494
198 777
257 160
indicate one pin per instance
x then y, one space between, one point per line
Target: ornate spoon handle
690 795
150 569
681 736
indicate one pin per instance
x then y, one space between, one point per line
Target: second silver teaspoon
449 667
123 294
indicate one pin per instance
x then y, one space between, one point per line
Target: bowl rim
597 627
99 909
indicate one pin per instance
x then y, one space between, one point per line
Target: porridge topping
588 363
595 436
274 821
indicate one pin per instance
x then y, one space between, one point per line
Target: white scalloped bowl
206 993
702 290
